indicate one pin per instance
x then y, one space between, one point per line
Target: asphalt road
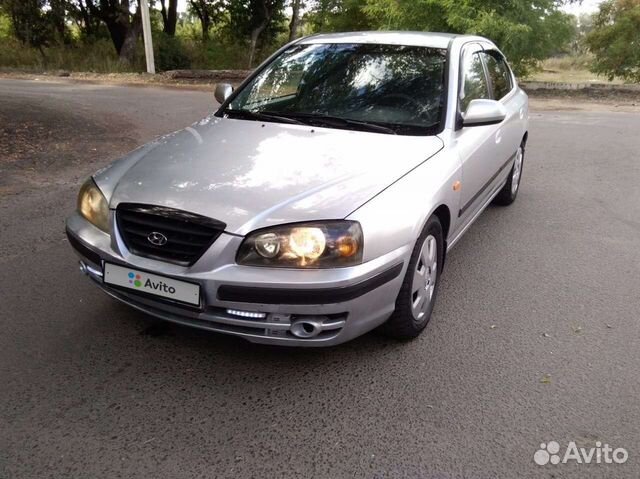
535 336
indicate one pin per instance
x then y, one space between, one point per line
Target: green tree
526 31
340 16
615 40
583 26
258 20
209 12
124 27
84 14
30 23
419 15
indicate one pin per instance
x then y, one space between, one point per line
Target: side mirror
222 92
484 112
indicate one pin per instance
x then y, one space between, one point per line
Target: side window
498 73
474 84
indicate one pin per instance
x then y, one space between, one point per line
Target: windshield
399 89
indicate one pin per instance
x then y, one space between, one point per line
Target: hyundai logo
157 239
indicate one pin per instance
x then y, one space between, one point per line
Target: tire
408 321
509 191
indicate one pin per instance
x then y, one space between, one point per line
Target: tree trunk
86 22
206 26
255 34
169 17
118 33
58 14
294 25
90 17
202 12
127 52
44 56
257 31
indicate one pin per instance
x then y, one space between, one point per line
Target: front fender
395 217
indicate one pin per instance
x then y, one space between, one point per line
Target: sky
182 5
586 6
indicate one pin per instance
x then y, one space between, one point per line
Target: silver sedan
320 200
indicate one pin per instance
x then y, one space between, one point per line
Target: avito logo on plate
154 284
134 279
549 453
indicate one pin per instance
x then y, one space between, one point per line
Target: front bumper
338 304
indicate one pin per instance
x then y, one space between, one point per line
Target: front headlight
93 206
325 244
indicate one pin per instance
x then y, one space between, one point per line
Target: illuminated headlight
93 206
326 244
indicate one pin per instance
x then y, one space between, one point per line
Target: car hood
251 174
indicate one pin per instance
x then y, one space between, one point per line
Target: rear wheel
418 292
509 191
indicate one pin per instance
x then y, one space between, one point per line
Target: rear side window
499 74
474 84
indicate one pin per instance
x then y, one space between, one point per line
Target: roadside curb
581 87
234 76
203 79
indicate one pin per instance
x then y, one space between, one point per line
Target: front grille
187 235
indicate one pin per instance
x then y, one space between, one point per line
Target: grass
101 57
569 69
98 57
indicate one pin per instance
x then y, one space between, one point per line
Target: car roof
420 39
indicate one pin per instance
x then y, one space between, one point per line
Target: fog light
246 314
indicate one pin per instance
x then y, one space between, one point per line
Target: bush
170 53
615 38
568 62
98 56
218 55
5 26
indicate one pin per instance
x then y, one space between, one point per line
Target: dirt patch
128 79
40 146
578 104
586 99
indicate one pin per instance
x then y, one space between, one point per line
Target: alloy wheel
424 279
517 171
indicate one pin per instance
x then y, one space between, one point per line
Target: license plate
152 284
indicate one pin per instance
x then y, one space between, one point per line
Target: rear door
503 89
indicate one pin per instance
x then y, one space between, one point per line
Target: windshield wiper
261 116
299 118
336 121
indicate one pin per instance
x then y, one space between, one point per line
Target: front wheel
418 292
509 191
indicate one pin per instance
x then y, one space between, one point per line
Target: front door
481 148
